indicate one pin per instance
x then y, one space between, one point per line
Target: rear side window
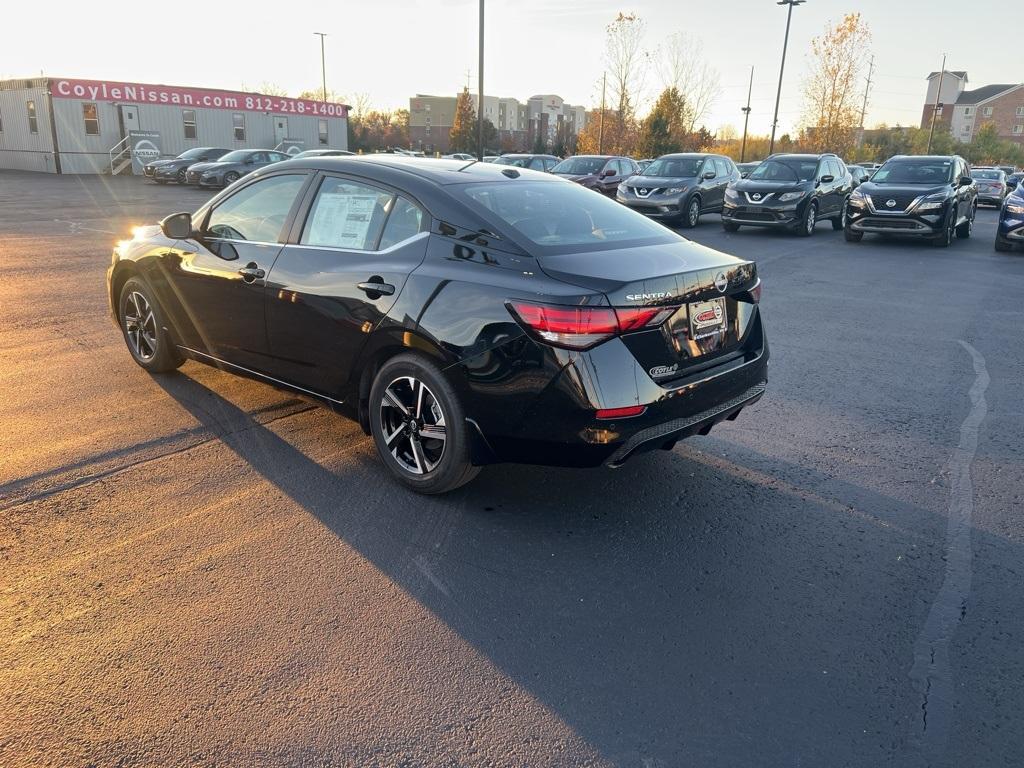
406 220
257 212
347 215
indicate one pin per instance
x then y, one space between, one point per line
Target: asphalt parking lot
199 569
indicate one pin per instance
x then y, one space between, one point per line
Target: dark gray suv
680 187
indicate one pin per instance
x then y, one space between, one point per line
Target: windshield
785 169
992 175
235 157
189 154
518 162
675 167
580 166
918 170
560 214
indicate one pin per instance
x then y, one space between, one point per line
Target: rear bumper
990 199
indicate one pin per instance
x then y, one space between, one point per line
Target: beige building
966 111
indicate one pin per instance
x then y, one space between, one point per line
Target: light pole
782 68
938 105
746 117
480 92
323 64
600 134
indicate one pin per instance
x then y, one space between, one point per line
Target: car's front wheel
692 216
180 177
730 226
806 226
1003 245
419 427
946 238
852 235
230 178
143 324
963 231
839 222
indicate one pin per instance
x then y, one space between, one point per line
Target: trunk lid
709 292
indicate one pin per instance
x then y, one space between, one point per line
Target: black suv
680 187
790 192
922 196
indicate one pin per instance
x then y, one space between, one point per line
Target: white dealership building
65 125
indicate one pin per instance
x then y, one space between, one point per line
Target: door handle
251 272
376 285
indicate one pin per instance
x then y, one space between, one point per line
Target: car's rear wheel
806 226
692 216
839 222
143 323
1003 245
230 178
963 231
419 427
946 238
730 226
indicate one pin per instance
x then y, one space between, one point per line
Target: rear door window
347 215
256 213
405 221
722 165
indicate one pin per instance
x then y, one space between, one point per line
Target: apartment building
966 110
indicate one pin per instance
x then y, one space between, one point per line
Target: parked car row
218 167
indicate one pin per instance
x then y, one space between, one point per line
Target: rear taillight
584 327
755 292
620 413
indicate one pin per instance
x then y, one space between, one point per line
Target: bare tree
833 88
626 64
681 64
360 104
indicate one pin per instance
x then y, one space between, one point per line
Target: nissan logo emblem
721 282
890 203
756 195
643 191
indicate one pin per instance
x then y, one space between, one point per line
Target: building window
1018 130
322 127
967 111
1020 111
239 121
33 124
188 118
986 111
91 116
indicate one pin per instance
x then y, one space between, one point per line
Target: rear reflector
621 413
583 327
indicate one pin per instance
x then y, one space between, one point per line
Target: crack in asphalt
931 672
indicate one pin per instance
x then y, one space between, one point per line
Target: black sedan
463 314
932 197
231 167
162 171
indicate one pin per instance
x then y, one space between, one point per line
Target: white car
459 156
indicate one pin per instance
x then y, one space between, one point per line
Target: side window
347 215
276 157
537 164
709 166
405 220
259 157
722 165
257 212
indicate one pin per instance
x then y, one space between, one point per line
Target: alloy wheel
812 218
413 425
140 326
694 213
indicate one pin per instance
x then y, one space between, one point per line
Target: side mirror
709 174
865 177
744 174
828 178
177 226
965 181
606 173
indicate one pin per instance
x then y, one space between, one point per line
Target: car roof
693 155
439 171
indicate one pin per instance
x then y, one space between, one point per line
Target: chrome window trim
336 249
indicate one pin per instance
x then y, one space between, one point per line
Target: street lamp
323 63
480 92
782 68
746 117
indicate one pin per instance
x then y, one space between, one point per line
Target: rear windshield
675 167
518 162
580 166
785 169
562 215
991 175
915 171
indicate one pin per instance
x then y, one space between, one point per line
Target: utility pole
746 117
782 67
323 63
937 106
600 132
480 92
867 90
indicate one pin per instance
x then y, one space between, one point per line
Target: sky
395 49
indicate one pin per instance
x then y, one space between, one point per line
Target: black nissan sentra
463 313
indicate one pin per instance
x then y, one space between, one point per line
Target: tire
230 178
142 324
407 384
1003 245
730 226
806 226
946 238
180 178
691 218
839 222
852 236
963 231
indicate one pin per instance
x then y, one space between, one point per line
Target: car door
724 170
826 189
214 283
708 182
338 277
